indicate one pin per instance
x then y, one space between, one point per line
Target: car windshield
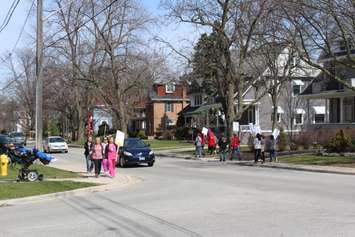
134 143
4 140
56 139
17 134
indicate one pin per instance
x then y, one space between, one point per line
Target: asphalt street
194 198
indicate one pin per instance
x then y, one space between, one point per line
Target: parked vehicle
134 152
55 144
5 141
18 138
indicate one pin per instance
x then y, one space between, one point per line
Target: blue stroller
26 157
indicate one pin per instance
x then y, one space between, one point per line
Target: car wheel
122 162
150 164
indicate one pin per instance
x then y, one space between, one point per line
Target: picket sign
119 140
276 133
235 126
204 131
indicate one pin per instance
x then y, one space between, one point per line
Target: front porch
212 116
339 113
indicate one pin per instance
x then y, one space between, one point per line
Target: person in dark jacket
223 148
88 149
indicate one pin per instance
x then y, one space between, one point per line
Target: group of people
232 146
261 146
101 155
226 147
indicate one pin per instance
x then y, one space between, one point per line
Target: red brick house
165 102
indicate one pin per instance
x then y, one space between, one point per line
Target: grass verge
171 144
48 172
341 161
26 189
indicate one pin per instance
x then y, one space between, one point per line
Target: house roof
155 97
188 109
202 109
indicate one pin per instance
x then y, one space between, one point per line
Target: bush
141 134
183 133
168 135
282 140
340 143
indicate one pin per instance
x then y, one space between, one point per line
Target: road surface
195 198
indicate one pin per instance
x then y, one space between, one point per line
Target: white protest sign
276 133
257 129
235 126
251 128
204 131
119 140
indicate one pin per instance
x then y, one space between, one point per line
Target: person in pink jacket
111 151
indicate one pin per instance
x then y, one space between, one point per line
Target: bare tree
235 25
322 29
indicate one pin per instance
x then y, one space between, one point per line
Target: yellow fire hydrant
4 160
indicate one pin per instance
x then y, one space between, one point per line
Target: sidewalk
276 165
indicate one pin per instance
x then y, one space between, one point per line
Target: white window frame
293 91
170 88
315 122
169 107
302 119
198 100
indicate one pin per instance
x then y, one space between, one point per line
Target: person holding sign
111 151
235 147
272 148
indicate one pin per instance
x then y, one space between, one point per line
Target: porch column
326 116
309 117
257 114
341 110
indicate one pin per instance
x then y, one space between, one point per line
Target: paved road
194 198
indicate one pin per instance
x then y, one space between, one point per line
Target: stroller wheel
40 177
32 176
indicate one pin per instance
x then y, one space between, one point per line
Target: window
296 90
299 119
278 117
169 107
170 88
319 118
198 100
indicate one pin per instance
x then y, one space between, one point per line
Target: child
223 147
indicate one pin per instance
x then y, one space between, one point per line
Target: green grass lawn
9 188
48 172
343 161
26 189
164 144
243 148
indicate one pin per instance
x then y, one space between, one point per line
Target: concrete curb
101 187
316 169
328 169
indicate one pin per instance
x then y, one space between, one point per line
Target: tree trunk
274 112
79 122
123 117
230 115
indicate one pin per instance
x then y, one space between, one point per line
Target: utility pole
39 75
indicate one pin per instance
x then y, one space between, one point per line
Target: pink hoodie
111 152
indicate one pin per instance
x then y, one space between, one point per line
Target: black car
18 138
5 141
134 152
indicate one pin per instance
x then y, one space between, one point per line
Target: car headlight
151 153
126 153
